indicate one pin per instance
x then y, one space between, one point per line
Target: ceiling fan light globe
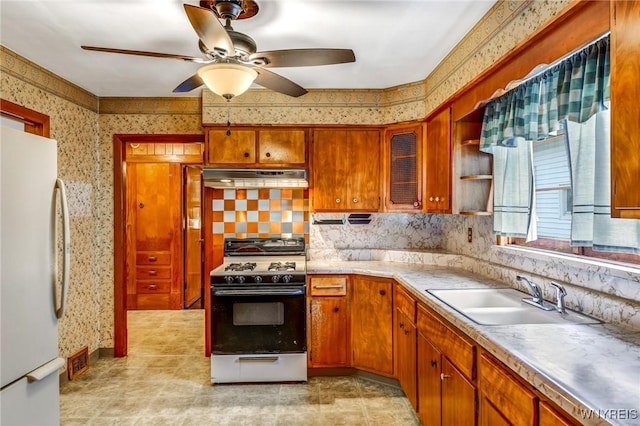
227 79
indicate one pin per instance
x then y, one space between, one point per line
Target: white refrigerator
32 294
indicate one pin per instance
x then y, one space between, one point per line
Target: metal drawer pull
153 272
152 258
152 286
258 358
444 376
328 286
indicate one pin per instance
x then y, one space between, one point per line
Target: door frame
120 337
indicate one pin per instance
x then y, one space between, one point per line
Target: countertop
590 371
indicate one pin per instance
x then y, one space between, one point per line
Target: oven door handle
260 292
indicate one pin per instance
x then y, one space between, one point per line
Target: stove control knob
257 279
228 279
240 278
287 278
275 278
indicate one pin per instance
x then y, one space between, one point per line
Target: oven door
258 320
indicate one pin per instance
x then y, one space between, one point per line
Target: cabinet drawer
153 286
153 258
152 272
328 286
458 349
515 402
405 303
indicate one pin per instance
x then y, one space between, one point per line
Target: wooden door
363 178
438 163
406 342
237 148
372 325
458 397
330 169
154 238
429 383
328 343
193 240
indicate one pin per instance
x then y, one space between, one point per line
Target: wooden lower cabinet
406 335
328 322
405 343
429 383
445 395
548 416
503 396
371 324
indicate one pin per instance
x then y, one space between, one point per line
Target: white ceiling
395 41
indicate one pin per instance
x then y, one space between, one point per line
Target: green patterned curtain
574 89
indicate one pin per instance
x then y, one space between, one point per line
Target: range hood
255 178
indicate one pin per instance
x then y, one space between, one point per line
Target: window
552 180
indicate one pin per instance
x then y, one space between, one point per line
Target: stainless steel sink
503 306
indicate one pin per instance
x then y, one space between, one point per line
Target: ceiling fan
231 60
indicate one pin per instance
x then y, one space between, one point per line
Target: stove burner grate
246 266
282 266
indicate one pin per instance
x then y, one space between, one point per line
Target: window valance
574 89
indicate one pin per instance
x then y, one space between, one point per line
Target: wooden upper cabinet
256 147
438 163
625 114
277 146
346 170
403 167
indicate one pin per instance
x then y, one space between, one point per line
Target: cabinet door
458 397
237 148
363 178
505 394
429 383
490 415
438 163
372 325
625 114
403 167
406 354
330 168
550 417
281 146
328 343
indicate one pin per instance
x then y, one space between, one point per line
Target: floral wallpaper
85 140
75 128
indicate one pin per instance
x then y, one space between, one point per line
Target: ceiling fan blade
303 57
143 53
189 84
278 83
209 29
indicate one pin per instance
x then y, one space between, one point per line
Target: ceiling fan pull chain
228 120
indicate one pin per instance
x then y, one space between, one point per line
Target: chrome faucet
561 292
536 295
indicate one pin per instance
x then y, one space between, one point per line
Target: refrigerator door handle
66 248
45 370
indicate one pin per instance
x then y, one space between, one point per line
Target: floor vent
78 363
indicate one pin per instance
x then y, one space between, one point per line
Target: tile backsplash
263 213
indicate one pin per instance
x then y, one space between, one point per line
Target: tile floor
165 381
